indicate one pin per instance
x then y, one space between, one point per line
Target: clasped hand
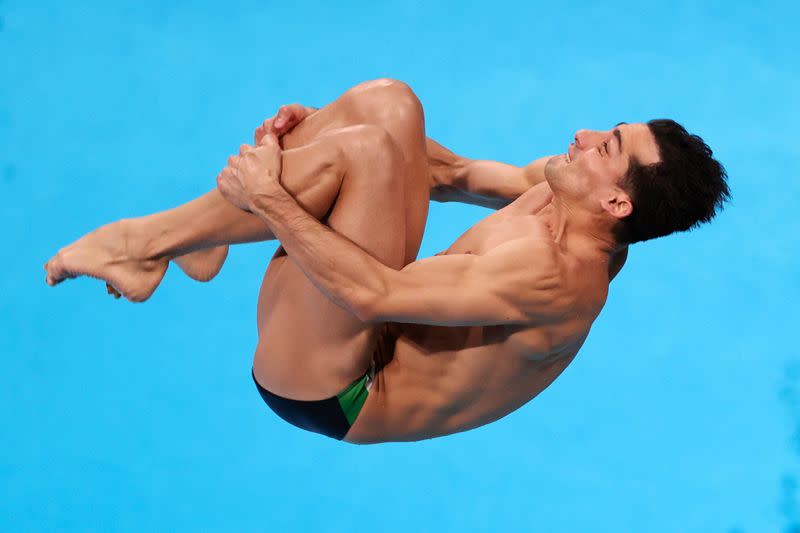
257 169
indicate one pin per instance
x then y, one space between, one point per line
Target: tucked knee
370 141
396 92
387 101
369 150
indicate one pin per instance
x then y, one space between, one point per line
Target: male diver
359 340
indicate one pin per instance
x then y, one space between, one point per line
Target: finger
269 139
293 110
280 131
233 161
244 148
262 129
288 117
293 114
221 183
225 176
284 116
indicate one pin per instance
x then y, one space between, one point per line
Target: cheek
586 173
600 172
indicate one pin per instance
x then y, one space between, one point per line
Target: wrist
264 200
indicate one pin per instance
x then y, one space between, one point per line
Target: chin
554 168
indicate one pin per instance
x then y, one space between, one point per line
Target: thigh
309 348
394 107
387 103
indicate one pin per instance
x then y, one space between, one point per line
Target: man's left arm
507 286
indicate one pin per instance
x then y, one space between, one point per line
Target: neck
575 228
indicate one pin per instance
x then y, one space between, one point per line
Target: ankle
145 239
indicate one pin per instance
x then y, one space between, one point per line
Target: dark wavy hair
684 189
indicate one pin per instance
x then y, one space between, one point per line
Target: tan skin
552 241
482 328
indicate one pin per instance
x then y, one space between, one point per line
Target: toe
112 291
55 269
47 275
50 268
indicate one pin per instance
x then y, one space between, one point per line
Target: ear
618 204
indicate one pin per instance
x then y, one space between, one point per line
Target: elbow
460 173
371 301
367 313
448 174
367 308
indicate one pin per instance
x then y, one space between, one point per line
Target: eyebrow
618 135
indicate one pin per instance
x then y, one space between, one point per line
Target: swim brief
331 417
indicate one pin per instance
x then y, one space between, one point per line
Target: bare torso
443 380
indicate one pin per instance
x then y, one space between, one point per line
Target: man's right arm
480 182
453 178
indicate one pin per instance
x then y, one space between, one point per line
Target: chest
496 229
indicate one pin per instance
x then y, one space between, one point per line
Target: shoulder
529 270
524 252
550 284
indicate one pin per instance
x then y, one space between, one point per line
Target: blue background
682 412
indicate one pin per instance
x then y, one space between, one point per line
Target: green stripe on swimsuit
353 397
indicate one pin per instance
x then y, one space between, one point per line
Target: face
589 173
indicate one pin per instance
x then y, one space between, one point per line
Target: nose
579 135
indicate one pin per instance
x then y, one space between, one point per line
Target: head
645 180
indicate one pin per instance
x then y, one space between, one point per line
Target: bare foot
203 265
112 253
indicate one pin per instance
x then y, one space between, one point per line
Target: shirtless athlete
360 341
